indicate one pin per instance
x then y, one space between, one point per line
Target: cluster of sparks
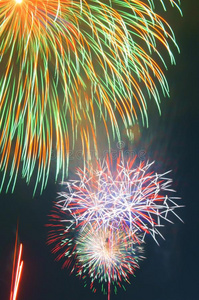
109 210
65 65
107 255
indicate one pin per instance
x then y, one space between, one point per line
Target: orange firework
67 66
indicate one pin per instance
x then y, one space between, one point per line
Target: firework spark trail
65 62
17 269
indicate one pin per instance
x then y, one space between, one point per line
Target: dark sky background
170 271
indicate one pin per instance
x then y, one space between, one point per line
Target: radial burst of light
63 63
125 194
103 255
106 255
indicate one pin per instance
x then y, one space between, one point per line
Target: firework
17 269
64 65
106 255
128 195
100 222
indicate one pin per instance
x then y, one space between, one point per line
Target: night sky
170 271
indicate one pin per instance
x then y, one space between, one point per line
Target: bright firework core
106 247
18 1
106 254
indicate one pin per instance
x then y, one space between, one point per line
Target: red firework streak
17 269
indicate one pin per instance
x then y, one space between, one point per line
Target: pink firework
17 269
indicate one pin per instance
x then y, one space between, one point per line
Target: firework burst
102 219
106 255
125 194
63 63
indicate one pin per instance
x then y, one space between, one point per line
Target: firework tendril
65 65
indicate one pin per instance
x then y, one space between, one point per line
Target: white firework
126 195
